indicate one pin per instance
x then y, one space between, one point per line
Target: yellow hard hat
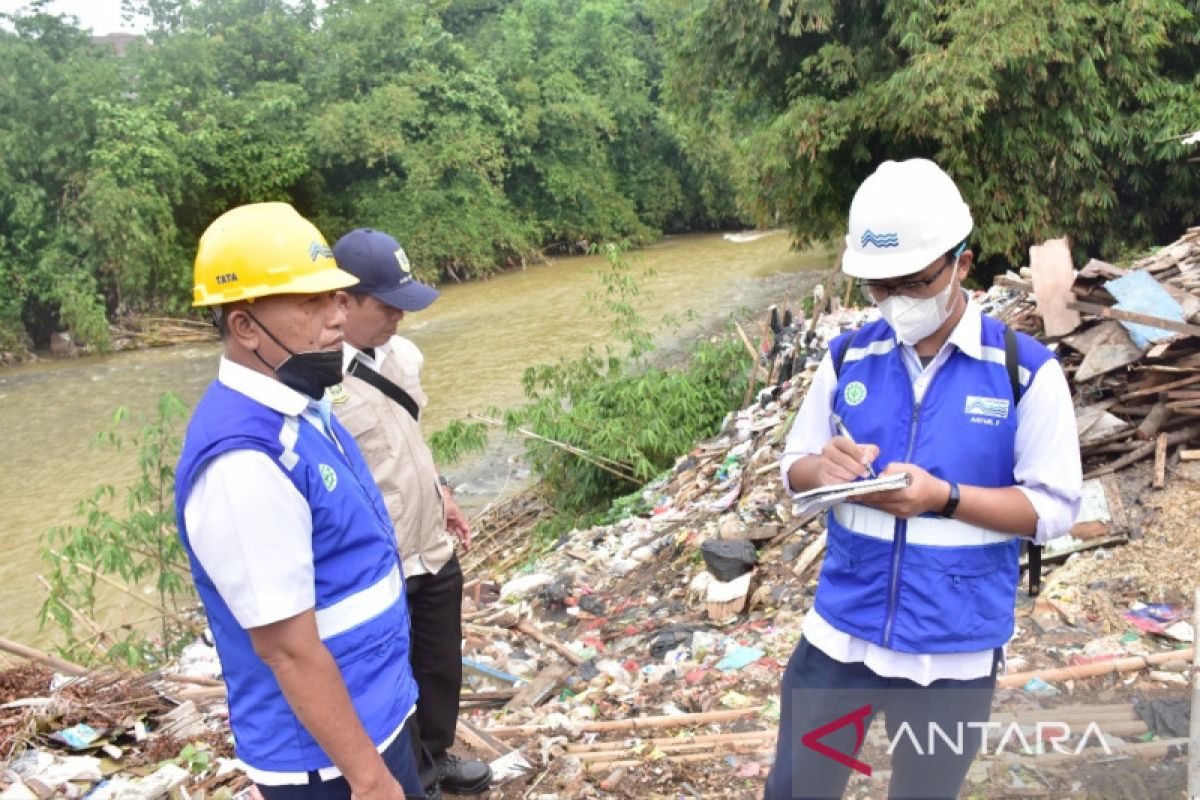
262 249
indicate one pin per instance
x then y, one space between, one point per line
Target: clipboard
823 497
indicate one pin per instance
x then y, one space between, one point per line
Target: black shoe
463 776
433 792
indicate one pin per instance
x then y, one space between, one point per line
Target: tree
1054 120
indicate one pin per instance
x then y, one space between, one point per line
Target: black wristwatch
951 504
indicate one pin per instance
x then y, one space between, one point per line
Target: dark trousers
435 611
398 756
821 693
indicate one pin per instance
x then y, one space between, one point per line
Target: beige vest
395 450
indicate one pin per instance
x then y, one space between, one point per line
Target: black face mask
310 372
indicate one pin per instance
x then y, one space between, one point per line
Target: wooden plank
1131 316
541 687
1100 269
1189 455
1160 461
1162 387
1013 283
481 740
1053 275
1112 350
1116 506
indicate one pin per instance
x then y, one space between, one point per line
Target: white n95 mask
914 319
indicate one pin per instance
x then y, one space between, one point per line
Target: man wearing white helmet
916 594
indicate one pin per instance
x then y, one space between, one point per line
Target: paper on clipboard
823 497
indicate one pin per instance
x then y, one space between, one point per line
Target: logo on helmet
879 239
317 250
402 258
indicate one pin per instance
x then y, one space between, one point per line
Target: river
477 339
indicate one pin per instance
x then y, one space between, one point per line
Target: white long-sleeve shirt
1047 470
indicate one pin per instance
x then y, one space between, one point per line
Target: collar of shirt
349 351
262 388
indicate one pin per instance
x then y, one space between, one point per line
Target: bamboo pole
24 651
1129 664
714 748
636 723
598 461
1146 750
713 738
688 758
526 627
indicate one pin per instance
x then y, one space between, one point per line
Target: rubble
622 664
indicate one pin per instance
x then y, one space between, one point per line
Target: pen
841 429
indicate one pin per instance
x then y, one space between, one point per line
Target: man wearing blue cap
380 404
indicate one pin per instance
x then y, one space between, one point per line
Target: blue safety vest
361 610
926 584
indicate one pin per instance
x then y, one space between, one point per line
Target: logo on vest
338 393
986 410
855 393
329 475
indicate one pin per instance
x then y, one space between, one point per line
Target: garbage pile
690 609
643 658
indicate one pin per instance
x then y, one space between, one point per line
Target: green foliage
1060 120
195 757
129 551
607 422
457 439
479 133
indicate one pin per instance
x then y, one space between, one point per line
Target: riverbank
624 662
477 339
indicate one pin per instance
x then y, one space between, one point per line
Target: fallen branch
526 627
598 461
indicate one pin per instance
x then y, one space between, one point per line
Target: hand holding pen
843 459
843 431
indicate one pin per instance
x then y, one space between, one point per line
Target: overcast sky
102 16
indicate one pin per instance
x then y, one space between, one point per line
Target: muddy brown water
477 339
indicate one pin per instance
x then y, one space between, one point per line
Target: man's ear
242 328
965 261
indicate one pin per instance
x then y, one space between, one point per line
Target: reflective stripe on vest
931 531
362 606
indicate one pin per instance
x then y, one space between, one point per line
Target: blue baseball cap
382 269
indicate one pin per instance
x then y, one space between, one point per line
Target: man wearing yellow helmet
291 547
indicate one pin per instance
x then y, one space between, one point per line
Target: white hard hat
902 218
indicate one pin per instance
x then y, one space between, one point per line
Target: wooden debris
541 687
526 627
1053 275
635 723
1100 668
